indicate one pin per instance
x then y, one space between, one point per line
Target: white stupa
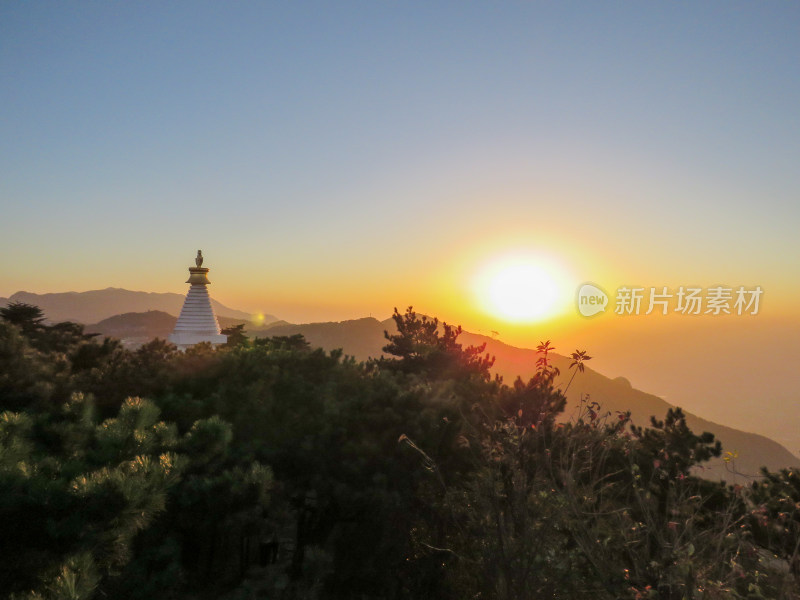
197 321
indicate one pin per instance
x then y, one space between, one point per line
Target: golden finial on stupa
198 274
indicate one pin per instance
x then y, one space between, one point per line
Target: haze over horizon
336 161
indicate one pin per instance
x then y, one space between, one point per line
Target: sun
518 290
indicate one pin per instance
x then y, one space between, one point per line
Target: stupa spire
197 321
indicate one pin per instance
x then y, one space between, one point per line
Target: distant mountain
617 394
138 328
97 305
264 327
361 338
142 326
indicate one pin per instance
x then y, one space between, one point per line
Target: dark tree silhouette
236 336
425 347
26 316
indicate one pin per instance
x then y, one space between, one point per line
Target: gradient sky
334 160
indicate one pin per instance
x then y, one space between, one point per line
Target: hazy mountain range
364 338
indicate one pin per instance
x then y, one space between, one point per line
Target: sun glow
520 289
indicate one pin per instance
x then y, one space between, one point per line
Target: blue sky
323 142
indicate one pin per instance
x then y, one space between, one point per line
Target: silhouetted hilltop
138 328
96 305
361 338
617 394
145 325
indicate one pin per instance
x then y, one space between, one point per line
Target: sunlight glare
519 290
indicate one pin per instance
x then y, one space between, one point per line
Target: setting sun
518 290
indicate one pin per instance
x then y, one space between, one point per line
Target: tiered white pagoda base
197 321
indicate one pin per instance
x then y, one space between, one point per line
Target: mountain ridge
136 328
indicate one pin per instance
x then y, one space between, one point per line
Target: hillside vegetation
364 339
272 469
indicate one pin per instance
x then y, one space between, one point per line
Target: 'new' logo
591 300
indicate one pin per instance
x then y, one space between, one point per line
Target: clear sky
334 160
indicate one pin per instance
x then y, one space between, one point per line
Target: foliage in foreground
268 469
